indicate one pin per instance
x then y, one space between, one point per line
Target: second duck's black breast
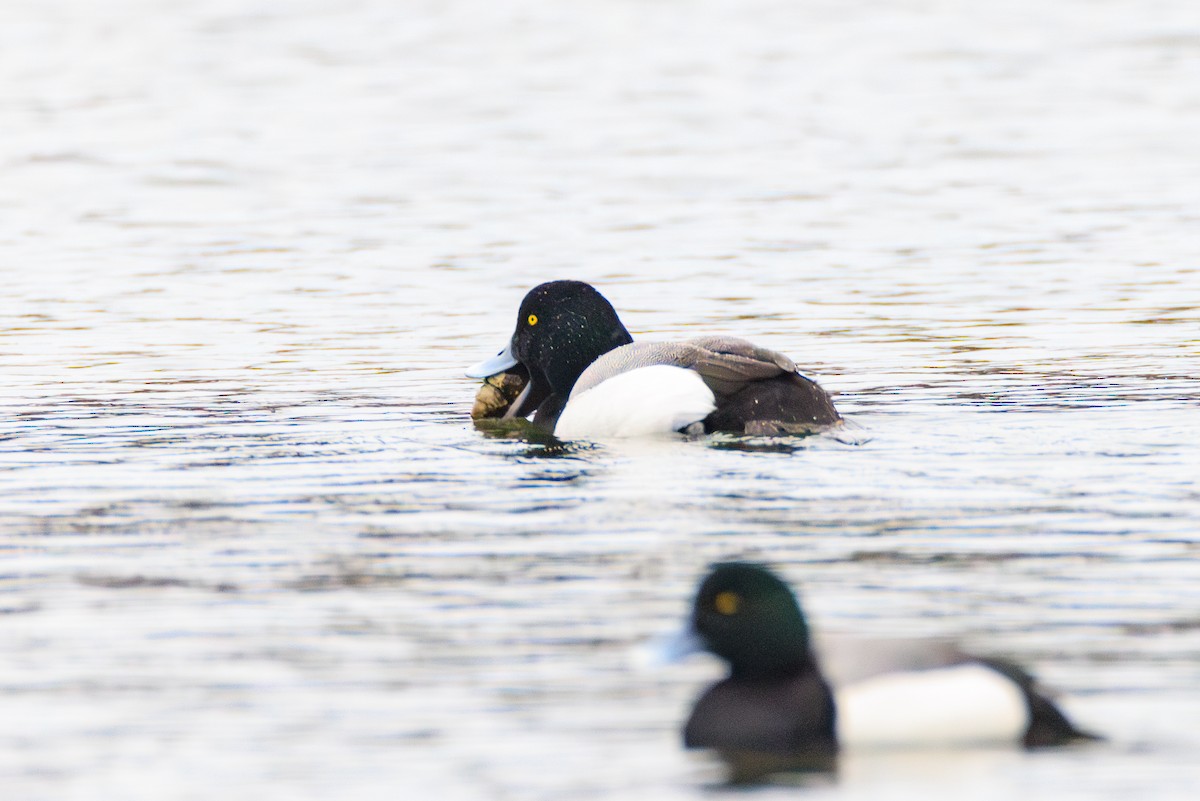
791 715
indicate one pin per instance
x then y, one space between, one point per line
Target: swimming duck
588 378
776 710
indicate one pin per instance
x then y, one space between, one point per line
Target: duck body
777 711
589 379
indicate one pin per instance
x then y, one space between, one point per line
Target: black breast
794 715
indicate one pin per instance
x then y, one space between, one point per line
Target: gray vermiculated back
725 363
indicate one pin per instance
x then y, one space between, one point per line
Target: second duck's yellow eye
532 319
727 603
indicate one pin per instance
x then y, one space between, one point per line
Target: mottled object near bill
497 394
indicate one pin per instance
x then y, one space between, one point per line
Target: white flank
650 400
961 705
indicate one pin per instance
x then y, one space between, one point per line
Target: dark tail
1048 726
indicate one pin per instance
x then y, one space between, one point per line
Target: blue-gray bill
502 361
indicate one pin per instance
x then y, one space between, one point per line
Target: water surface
251 545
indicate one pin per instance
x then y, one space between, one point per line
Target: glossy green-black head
562 327
746 615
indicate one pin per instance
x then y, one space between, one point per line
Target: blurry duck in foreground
776 711
573 366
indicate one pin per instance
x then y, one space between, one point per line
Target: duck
777 711
587 378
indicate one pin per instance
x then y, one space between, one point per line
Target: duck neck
568 357
770 666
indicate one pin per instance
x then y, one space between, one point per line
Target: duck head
749 617
562 327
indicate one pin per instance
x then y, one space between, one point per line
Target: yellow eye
727 603
532 320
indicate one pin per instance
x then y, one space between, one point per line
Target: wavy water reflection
251 543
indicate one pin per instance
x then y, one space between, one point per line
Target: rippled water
252 546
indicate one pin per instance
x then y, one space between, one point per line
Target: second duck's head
749 617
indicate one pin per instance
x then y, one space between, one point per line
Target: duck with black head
588 378
776 710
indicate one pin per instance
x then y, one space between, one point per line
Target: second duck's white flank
650 400
961 705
